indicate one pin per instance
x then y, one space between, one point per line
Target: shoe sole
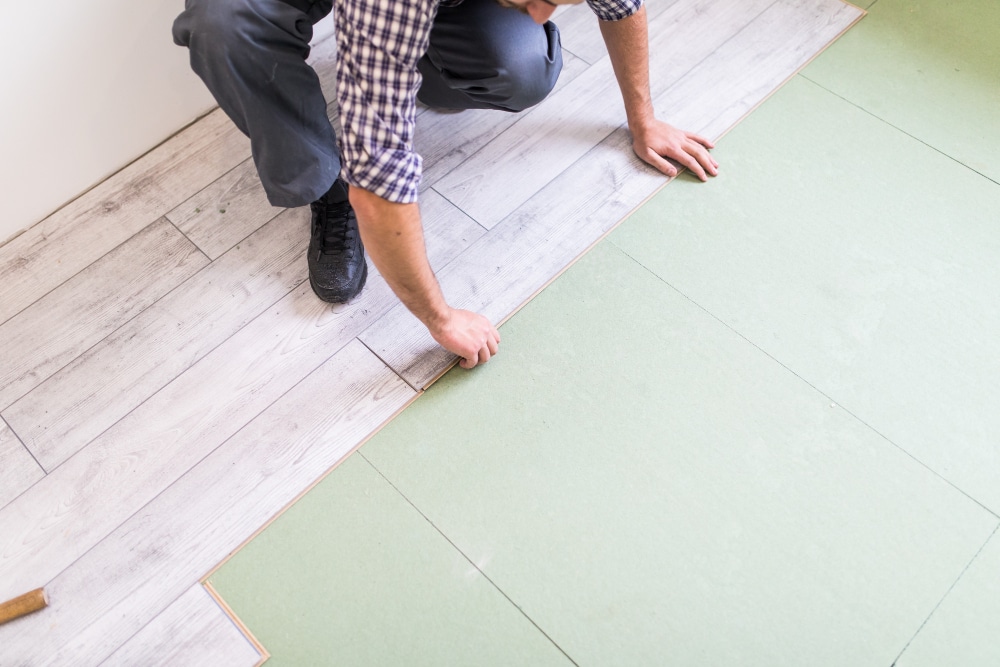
332 296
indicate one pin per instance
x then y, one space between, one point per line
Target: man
457 54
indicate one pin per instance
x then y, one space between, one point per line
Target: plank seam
947 593
995 515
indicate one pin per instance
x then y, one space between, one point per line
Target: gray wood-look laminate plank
194 631
96 389
559 131
64 323
226 212
18 470
126 579
445 139
76 235
83 500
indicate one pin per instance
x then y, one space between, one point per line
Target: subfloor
755 425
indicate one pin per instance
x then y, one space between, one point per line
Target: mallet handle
25 604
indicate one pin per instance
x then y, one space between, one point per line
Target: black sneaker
337 268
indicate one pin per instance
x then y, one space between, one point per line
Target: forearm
628 47
393 236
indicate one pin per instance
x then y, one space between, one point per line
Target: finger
655 159
692 164
706 161
469 363
707 143
493 345
484 354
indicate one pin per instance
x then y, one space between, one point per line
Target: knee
529 73
211 28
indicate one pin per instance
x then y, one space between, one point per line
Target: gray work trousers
252 56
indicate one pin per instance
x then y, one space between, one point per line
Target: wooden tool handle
22 605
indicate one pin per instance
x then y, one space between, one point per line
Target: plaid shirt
378 45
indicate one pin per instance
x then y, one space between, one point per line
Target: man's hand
393 235
657 140
467 334
652 139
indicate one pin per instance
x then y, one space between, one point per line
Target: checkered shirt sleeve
378 45
614 10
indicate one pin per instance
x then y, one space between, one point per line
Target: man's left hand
658 140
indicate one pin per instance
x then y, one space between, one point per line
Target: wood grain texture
126 579
64 323
99 387
81 232
18 469
226 212
193 631
559 131
83 500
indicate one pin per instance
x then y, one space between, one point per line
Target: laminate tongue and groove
178 413
194 630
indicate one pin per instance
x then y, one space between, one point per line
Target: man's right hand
393 236
467 334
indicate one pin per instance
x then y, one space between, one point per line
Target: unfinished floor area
785 377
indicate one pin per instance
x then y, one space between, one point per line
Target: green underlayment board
754 426
657 491
928 67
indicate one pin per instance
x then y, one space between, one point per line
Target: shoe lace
334 234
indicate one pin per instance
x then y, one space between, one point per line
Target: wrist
641 119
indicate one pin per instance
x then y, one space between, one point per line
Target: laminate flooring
170 383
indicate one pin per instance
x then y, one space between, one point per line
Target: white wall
86 86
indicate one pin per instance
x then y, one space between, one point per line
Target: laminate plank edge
513 167
78 504
137 570
193 631
67 321
523 253
99 387
18 469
